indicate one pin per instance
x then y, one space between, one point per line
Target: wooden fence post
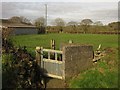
52 44
41 57
52 47
38 55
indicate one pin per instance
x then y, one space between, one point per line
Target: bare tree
98 23
85 23
40 24
72 23
60 23
21 19
15 19
25 20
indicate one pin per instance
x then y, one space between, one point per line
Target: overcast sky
105 12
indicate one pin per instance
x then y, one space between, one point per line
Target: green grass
103 75
95 79
31 41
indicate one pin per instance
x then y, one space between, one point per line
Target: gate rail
56 52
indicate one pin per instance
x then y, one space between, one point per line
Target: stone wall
77 58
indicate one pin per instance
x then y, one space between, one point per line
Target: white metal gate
52 63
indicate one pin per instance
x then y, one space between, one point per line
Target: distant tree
40 24
60 23
98 23
114 25
25 20
85 23
72 23
15 19
21 19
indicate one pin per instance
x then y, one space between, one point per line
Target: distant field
31 41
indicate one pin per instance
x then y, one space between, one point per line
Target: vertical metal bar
55 56
48 55
63 64
57 69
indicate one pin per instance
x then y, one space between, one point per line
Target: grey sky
70 11
60 0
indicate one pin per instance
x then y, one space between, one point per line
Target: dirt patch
55 83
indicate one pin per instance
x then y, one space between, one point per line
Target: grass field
31 41
102 75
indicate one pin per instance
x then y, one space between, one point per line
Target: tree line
57 22
59 25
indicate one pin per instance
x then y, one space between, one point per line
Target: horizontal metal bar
53 76
54 51
52 61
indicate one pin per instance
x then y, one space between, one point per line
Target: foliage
94 29
8 74
6 32
114 25
20 69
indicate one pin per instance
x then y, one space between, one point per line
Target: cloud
68 11
105 15
61 1
21 9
